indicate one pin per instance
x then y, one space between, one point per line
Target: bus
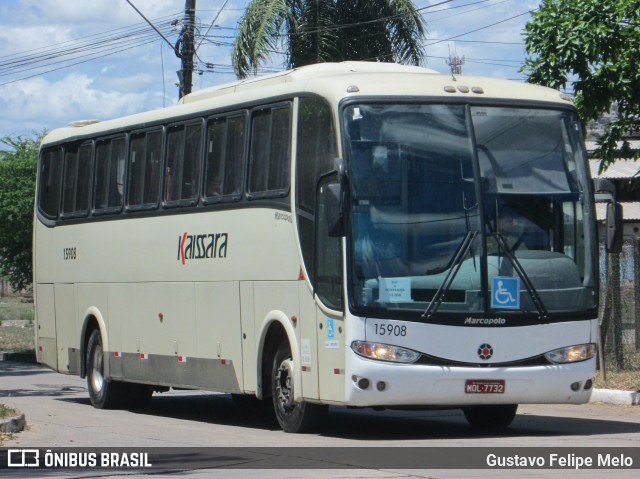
349 234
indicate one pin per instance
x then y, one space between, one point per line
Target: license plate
484 386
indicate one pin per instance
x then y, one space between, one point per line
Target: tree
597 42
316 31
18 166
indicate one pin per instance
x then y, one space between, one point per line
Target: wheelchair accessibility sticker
505 292
331 331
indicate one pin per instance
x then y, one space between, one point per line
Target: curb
613 396
29 357
13 424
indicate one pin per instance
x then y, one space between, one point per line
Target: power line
212 23
528 12
462 6
53 58
153 26
71 64
71 47
93 35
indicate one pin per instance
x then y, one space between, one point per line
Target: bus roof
334 81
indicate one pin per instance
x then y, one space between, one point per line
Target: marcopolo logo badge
23 458
485 351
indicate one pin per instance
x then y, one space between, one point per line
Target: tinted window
109 175
76 180
182 175
315 153
328 279
144 169
225 158
50 179
269 152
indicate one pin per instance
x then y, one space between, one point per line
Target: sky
68 60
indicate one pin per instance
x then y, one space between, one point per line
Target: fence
620 306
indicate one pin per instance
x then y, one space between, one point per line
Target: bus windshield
467 209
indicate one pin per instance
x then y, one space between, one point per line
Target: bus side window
144 169
269 154
108 182
50 182
76 180
173 169
182 172
215 158
224 169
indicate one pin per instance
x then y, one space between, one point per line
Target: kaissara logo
202 246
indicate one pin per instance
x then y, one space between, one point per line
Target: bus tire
498 416
104 394
296 417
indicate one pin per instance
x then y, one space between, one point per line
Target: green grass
12 309
17 338
6 411
627 379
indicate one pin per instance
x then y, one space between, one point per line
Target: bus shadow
370 425
217 409
451 424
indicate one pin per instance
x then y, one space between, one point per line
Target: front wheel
104 394
491 417
293 416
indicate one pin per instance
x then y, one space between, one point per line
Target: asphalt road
59 414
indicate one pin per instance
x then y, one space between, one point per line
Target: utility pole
186 48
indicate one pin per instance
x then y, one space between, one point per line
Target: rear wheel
104 394
293 416
491 417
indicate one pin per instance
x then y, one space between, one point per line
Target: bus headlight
572 354
384 352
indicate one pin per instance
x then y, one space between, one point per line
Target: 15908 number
68 253
390 329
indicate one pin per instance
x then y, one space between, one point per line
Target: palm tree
315 31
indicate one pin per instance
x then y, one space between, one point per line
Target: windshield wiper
456 264
533 293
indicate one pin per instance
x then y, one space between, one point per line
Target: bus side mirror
613 224
331 199
605 192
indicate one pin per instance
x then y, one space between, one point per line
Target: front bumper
421 385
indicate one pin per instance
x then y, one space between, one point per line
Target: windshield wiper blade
456 264
533 293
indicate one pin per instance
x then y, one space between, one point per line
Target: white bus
356 234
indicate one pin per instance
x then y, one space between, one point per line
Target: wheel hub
284 383
97 378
